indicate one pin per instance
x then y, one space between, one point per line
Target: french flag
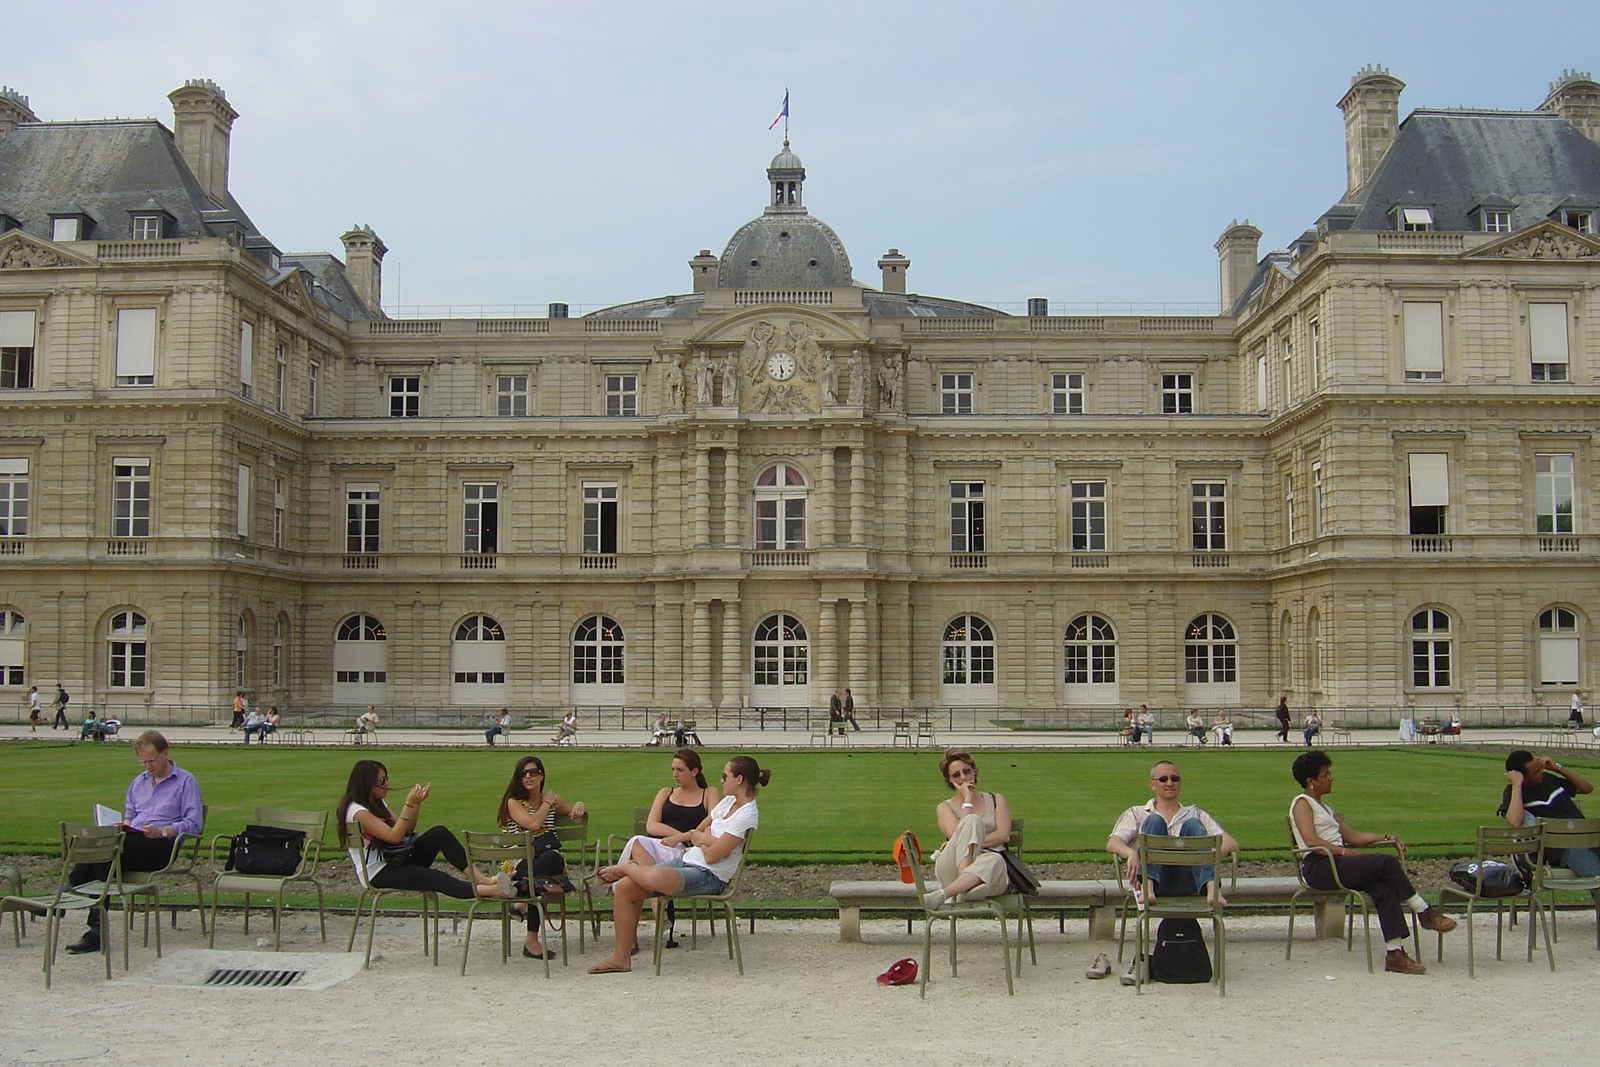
782 114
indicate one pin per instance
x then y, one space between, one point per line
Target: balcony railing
599 562
1431 544
1559 543
780 559
973 561
479 561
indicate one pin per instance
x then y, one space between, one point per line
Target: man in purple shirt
162 807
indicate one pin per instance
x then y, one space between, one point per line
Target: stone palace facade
1367 481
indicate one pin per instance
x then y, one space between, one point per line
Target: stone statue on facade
672 380
889 384
858 378
753 353
802 340
703 378
830 380
730 380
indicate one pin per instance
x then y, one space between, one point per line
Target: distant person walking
1575 716
60 704
1282 713
241 708
35 716
850 710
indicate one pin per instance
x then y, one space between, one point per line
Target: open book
104 816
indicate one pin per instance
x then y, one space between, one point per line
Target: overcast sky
526 152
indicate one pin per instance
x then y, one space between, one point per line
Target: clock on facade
780 366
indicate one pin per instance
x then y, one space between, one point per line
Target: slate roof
110 170
1453 161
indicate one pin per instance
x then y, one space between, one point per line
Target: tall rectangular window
600 518
481 502
1088 516
1316 500
13 498
361 518
313 388
1314 332
280 380
622 394
1553 493
242 502
136 346
1263 400
1424 340
1547 338
16 349
247 356
405 397
955 394
1430 492
511 395
1177 394
966 517
130 497
1066 394
1288 509
1208 506
1288 370
279 506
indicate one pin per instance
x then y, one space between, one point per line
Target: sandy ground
805 998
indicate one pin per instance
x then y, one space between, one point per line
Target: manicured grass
823 806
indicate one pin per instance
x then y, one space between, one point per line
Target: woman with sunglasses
974 824
527 806
364 803
715 848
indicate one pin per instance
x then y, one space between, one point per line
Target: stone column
858 496
698 662
702 497
856 676
823 532
827 646
730 497
732 658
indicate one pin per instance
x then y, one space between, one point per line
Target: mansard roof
1452 161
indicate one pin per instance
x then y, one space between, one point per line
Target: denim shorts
697 881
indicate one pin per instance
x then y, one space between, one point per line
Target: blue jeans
1177 881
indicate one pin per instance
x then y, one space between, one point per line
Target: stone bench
1099 897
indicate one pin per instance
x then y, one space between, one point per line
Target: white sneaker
933 898
1100 968
1132 977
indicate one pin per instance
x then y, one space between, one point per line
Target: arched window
1430 649
478 662
1558 647
780 658
597 652
360 661
780 509
968 657
1091 651
13 648
128 651
1210 651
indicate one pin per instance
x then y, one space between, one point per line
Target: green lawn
823 806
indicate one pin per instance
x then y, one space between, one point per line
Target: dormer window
1495 221
148 228
1415 219
1580 219
73 227
8 223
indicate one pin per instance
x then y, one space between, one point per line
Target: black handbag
399 852
549 841
271 850
1499 879
1021 880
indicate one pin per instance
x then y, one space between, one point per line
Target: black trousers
417 872
1377 874
139 853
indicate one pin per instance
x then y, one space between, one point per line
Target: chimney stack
202 122
363 265
1575 96
703 267
1371 118
894 267
1236 262
14 111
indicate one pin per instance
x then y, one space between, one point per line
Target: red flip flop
903 972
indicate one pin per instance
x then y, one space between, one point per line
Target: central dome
785 248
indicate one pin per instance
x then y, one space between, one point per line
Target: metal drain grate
253 977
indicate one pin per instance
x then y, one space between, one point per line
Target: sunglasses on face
531 770
1165 778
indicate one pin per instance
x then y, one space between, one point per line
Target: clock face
780 366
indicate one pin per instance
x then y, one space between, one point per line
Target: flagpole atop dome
783 114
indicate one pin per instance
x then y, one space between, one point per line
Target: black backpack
1180 954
